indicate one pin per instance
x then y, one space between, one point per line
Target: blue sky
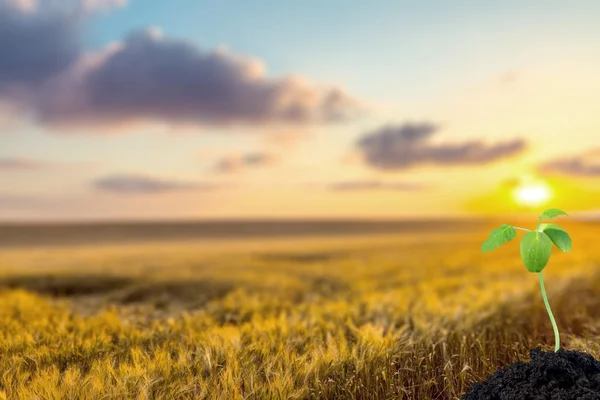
425 46
502 84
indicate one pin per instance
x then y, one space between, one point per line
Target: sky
193 109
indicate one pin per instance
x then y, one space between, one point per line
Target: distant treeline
80 233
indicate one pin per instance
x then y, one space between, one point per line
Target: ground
405 316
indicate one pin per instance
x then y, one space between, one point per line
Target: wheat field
403 316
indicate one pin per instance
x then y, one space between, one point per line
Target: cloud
149 77
394 147
12 201
34 46
32 164
580 166
370 185
135 184
234 163
14 163
146 77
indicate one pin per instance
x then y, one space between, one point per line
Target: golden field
394 316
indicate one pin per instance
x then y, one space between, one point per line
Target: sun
532 193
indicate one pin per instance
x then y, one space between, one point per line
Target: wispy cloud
10 201
372 185
34 164
14 163
136 184
582 165
236 163
394 147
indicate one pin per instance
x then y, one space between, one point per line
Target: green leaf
498 237
536 248
552 213
558 235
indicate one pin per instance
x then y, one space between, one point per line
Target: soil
564 375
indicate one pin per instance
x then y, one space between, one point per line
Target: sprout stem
522 229
556 334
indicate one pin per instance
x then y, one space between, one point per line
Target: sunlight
532 194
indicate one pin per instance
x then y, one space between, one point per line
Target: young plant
536 247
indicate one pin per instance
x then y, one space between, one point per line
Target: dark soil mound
565 375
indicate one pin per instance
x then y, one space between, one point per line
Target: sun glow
532 193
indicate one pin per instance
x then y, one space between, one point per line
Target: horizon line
270 220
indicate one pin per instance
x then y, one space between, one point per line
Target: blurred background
145 110
326 168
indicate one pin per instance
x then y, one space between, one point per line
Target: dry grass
361 318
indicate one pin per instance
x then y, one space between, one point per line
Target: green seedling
536 247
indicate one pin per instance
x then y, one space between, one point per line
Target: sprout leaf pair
536 246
